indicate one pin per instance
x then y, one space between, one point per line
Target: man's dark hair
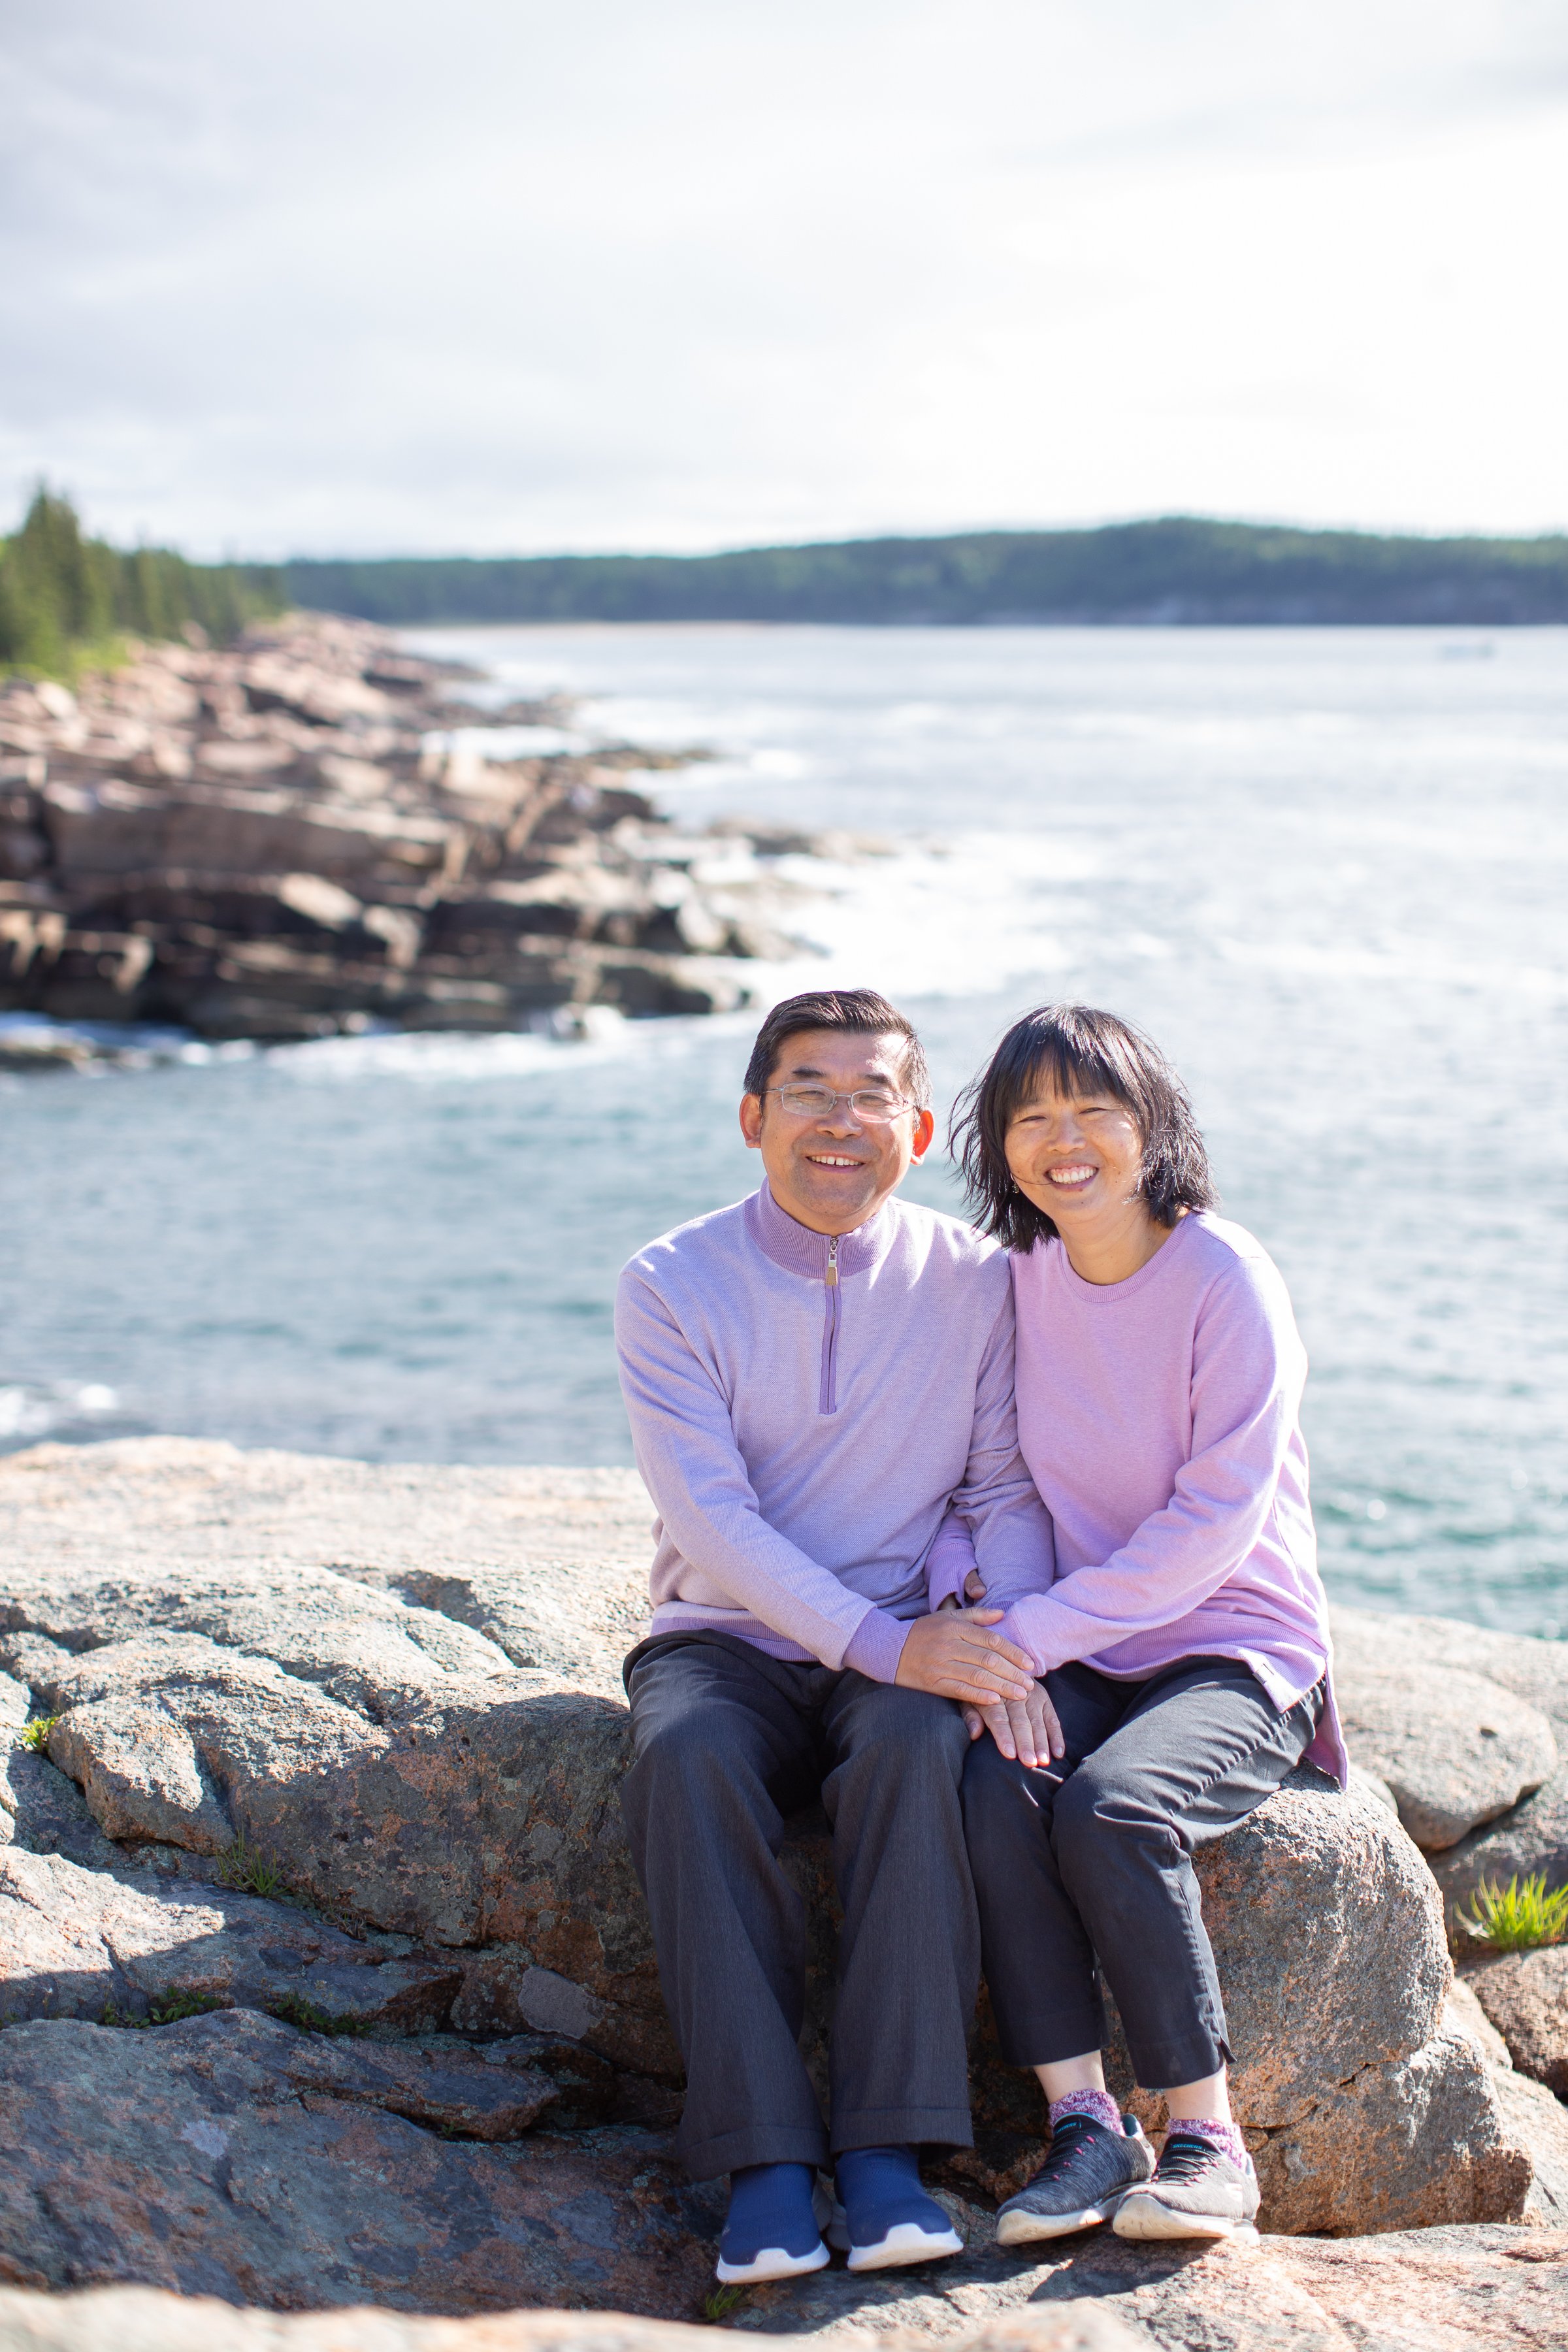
858 1011
1078 1051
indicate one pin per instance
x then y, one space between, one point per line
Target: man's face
833 1169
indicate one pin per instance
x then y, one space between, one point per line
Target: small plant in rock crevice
249 1872
36 1735
168 2010
1520 1916
724 2300
303 2014
182 2003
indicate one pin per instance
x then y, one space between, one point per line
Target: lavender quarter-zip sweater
1160 1419
803 1410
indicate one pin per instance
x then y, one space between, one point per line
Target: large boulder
1366 2111
1459 1708
1529 2113
1454 1752
1525 1995
117 827
1427 1649
1531 1840
394 1695
1457 1711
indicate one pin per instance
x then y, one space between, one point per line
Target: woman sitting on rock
1182 1642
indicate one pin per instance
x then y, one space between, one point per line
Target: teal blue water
1326 868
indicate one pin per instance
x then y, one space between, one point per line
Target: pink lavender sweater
804 1413
1159 1417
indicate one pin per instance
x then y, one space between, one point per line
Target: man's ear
925 1127
752 1121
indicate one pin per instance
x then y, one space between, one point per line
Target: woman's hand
1026 1728
955 1654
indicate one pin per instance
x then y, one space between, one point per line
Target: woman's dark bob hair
1077 1051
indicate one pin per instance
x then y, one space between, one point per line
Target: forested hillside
64 599
1174 571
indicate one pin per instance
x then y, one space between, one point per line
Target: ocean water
1327 869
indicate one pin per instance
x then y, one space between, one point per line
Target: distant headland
1178 571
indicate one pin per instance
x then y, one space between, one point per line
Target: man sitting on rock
812 1377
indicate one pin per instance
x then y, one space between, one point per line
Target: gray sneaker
1088 2172
1197 2192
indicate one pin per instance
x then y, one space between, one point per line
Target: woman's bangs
1057 1062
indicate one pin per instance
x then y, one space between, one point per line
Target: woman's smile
1080 1159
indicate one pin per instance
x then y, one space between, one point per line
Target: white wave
447 1057
29 1413
1423 965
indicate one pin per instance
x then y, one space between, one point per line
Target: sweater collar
798 1250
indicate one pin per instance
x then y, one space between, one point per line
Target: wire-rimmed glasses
876 1106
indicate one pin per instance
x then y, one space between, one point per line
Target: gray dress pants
728 1741
1092 1859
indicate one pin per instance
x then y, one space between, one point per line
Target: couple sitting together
997 1539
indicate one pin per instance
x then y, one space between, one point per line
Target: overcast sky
333 277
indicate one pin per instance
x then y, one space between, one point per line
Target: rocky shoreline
286 840
324 1979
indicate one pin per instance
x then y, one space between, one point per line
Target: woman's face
1078 1157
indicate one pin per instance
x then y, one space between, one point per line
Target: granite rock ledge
329 1808
313 831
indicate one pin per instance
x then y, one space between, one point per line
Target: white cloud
350 279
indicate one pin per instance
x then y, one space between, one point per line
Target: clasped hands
954 1653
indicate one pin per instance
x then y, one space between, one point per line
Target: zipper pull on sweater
827 1400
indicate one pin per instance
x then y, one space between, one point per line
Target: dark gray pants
1095 1857
728 1742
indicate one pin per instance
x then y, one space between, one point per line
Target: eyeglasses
875 1105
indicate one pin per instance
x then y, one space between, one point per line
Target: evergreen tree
64 598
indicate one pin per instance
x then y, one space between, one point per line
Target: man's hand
956 1655
1027 1729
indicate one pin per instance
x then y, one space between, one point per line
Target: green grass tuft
304 2014
247 1872
180 2003
36 1735
718 2307
168 2011
1518 1918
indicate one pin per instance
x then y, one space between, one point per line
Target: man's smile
832 1159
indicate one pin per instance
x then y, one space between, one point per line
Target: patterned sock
1098 2104
1227 2137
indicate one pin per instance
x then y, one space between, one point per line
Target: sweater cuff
1030 1636
876 1646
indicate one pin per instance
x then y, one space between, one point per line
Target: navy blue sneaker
888 2219
1085 2177
774 2229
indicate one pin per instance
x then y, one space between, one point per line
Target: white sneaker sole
1026 2228
772 2263
906 2242
1146 2217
